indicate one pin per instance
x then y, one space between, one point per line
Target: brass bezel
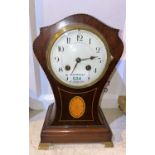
73 27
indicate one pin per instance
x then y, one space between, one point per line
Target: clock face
78 58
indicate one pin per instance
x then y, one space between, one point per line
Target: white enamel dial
78 58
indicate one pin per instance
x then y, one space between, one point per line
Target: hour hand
91 58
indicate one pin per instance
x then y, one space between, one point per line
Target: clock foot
43 146
108 144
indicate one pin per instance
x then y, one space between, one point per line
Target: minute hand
91 58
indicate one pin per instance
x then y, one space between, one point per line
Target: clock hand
91 58
78 60
74 67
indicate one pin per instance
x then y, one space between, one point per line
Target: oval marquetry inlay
77 107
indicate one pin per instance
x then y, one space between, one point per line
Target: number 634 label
78 78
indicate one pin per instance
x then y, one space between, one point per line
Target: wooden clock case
59 125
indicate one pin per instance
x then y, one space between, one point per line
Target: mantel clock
77 54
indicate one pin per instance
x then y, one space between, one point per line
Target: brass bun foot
108 144
43 146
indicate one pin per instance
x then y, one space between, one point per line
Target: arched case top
42 42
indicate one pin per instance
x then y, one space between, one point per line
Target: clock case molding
59 125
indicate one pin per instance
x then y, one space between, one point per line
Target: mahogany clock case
59 125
